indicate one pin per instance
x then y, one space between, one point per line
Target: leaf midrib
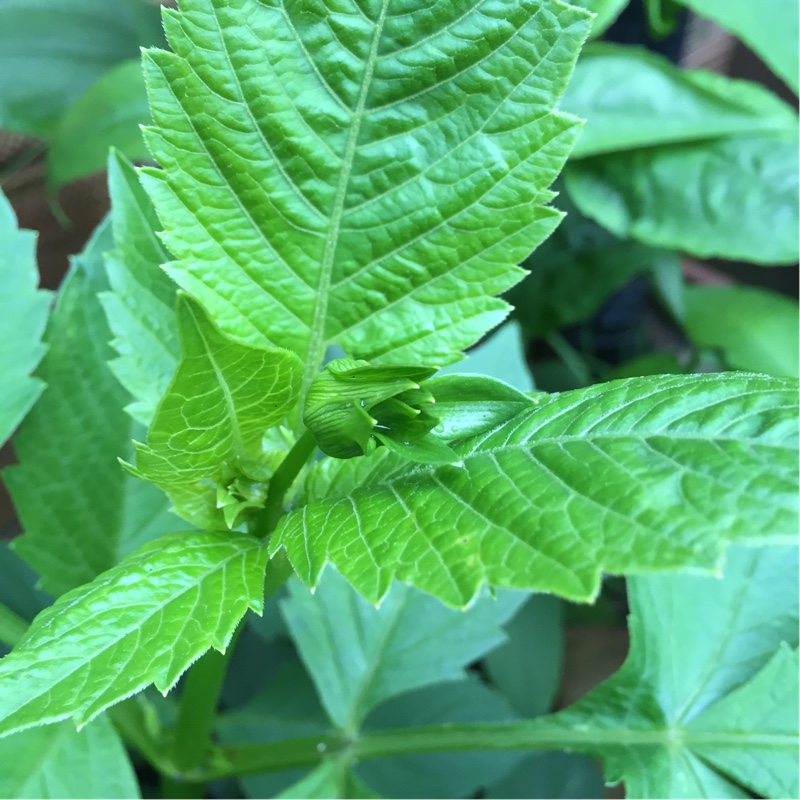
316 341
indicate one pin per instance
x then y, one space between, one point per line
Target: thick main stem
12 626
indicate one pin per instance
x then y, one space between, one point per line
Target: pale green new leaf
107 115
632 98
638 475
771 29
367 177
144 621
360 655
733 198
80 512
58 762
52 51
753 328
709 691
23 316
141 304
210 424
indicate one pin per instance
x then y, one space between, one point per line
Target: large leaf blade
638 475
23 311
144 621
356 189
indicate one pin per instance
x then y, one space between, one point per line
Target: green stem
546 733
267 519
573 360
12 626
198 707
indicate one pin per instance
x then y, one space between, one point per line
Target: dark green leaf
550 776
360 655
107 115
527 668
80 512
438 775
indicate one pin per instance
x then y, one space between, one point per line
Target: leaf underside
144 621
370 178
642 475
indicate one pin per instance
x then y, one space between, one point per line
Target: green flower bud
353 407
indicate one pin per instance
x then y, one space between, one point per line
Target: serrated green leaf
107 115
144 621
579 253
638 475
209 426
772 32
80 512
359 655
755 329
632 98
52 51
23 316
59 762
500 356
734 198
702 699
527 668
141 304
367 178
440 775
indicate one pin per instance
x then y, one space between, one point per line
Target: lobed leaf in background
143 621
56 761
403 174
772 32
706 703
753 328
632 99
23 316
80 512
107 115
360 656
208 429
639 475
52 51
140 302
